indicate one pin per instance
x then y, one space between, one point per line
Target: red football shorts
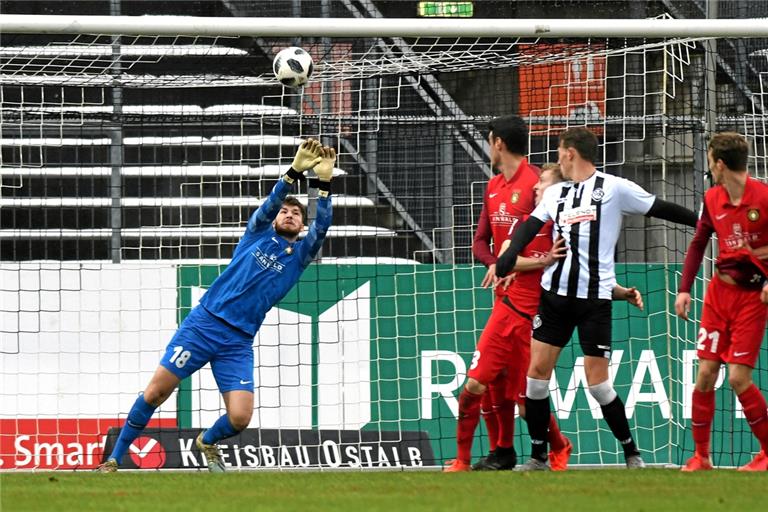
732 324
504 347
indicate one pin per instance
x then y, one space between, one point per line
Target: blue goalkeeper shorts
202 338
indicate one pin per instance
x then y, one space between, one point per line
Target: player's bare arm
683 305
631 295
525 263
488 278
521 237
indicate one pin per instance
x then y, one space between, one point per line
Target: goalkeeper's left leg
186 353
159 389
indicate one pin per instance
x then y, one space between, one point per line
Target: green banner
425 321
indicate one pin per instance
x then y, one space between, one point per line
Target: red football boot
759 463
456 466
558 460
697 463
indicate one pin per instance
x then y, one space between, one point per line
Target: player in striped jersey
267 262
577 292
734 314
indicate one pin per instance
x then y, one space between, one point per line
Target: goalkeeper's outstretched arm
520 238
307 156
319 228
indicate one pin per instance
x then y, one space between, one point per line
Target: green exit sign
446 9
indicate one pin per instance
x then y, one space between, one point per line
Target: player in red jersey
734 315
508 200
521 295
509 197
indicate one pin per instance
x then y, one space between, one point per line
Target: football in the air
293 66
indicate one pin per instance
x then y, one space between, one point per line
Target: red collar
746 199
523 165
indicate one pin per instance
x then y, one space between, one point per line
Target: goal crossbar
382 27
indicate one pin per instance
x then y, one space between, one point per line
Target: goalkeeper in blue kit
266 263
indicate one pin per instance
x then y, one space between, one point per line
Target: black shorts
559 315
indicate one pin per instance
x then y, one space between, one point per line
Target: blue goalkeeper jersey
264 266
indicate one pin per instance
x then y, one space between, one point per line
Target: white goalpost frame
336 27
383 27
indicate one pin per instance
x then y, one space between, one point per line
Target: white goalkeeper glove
324 169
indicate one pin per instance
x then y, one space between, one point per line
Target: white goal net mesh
129 167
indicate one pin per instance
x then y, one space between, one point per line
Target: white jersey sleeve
634 199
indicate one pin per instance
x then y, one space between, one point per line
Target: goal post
135 148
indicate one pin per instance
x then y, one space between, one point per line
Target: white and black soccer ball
293 66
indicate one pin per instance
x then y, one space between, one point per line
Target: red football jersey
747 222
506 203
525 290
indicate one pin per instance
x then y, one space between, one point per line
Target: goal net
131 162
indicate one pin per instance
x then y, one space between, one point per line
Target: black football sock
616 417
537 417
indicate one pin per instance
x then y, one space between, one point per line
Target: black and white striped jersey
589 215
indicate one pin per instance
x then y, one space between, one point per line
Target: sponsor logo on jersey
739 236
267 262
515 197
503 217
753 214
598 194
576 215
536 322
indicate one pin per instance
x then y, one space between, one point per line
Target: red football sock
554 436
702 413
469 416
506 415
490 417
753 402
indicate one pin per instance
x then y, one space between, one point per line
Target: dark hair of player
731 148
513 131
554 168
292 201
582 140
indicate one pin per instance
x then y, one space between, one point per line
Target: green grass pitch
594 490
